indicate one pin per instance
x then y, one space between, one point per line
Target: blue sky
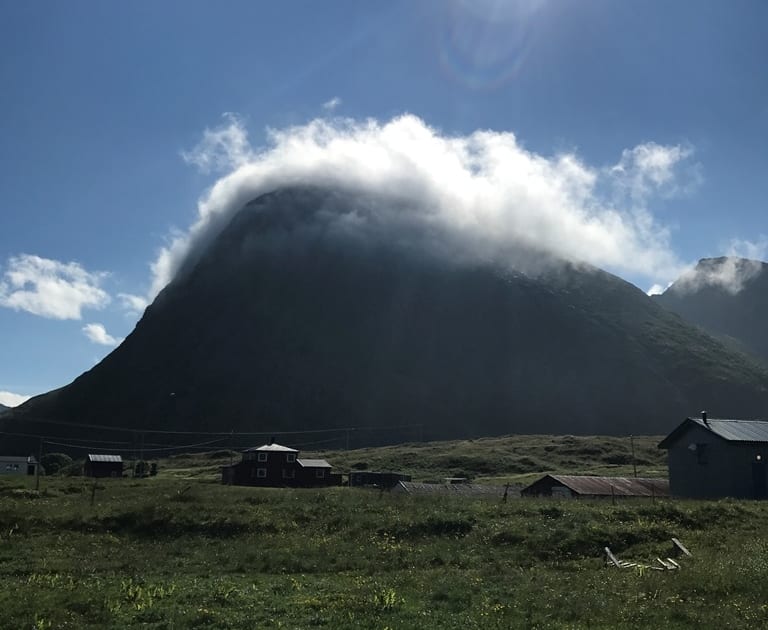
100 99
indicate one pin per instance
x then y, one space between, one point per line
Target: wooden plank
668 567
611 558
679 548
672 562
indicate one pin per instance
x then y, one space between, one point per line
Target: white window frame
261 473
290 458
262 457
320 473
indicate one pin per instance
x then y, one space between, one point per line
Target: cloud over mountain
473 197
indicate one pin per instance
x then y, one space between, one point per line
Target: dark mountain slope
737 317
287 323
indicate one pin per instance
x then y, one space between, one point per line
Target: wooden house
103 466
13 465
711 458
583 486
274 465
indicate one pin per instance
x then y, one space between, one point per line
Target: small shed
103 466
386 479
711 458
13 465
585 486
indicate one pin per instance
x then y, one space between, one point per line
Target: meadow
180 550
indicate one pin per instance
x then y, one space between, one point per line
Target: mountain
727 297
288 321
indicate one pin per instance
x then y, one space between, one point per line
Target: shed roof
610 486
105 458
314 463
752 431
271 447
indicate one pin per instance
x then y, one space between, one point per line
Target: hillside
283 323
736 311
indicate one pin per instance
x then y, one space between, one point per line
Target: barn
13 465
711 458
103 466
584 487
274 465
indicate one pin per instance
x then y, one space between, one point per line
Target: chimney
704 417
272 440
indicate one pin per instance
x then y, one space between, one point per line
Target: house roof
610 486
15 459
105 458
277 448
751 431
313 463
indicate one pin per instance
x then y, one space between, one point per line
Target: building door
759 485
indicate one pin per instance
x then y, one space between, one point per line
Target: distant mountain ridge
728 297
284 325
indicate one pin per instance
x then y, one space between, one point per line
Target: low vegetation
182 551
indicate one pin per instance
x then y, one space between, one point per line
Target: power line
219 433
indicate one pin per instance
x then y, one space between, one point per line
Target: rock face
284 323
727 297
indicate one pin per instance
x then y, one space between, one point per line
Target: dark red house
273 465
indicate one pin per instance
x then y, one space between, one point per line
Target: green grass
182 551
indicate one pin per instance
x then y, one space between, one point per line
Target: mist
481 197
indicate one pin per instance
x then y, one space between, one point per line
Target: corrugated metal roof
105 458
748 431
736 430
314 463
273 448
613 486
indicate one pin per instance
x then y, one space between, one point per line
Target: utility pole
37 468
634 461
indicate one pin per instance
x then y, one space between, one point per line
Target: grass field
182 551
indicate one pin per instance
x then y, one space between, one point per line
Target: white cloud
649 169
731 272
480 195
332 104
133 304
50 288
753 250
98 334
9 399
221 149
657 289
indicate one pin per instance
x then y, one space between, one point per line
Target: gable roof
746 431
277 448
610 486
105 458
313 463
